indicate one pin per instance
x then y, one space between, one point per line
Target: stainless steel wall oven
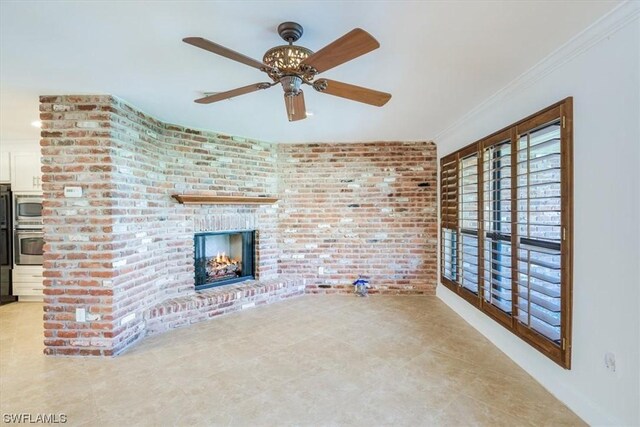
27 211
28 247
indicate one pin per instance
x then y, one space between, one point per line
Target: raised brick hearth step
203 305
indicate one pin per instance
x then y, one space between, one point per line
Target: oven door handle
23 233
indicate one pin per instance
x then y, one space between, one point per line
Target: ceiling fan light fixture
291 85
291 109
286 60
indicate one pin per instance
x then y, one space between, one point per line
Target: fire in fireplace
223 257
222 266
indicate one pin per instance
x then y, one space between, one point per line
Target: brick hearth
124 250
185 310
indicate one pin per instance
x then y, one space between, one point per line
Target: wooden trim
526 119
469 150
498 315
541 343
194 199
469 296
449 284
481 235
539 120
509 127
449 158
566 159
497 138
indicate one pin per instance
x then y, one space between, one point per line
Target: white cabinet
27 283
25 172
5 167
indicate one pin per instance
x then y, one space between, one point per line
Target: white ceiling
439 59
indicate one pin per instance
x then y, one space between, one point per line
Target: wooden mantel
188 199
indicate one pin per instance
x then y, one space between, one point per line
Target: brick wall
367 208
126 245
79 249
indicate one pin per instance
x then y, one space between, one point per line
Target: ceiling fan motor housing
287 60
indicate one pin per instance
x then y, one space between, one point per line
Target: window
506 210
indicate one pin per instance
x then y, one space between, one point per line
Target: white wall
24 146
600 68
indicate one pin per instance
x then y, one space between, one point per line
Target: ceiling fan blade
232 93
352 92
223 51
296 109
355 43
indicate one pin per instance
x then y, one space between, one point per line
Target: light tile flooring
314 360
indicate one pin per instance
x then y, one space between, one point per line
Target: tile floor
314 360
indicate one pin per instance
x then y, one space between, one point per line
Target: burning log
222 266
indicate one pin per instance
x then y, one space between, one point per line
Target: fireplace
222 258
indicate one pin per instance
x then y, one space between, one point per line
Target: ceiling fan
292 66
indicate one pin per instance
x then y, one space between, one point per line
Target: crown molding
608 24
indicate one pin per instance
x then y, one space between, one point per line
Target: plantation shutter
506 211
449 217
542 172
497 227
468 221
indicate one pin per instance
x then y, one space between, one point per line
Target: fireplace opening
222 258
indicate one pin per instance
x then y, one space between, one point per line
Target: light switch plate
72 191
128 318
81 315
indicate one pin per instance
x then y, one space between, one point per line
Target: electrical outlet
81 315
610 361
320 270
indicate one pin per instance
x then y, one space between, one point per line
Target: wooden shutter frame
498 315
445 221
562 110
465 293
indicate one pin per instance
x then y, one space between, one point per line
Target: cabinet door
25 172
33 289
5 167
27 281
